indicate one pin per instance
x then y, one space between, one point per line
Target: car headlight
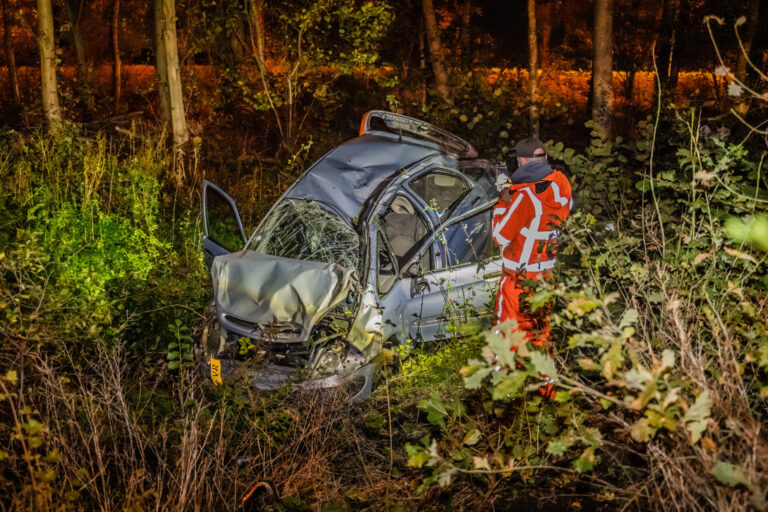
330 358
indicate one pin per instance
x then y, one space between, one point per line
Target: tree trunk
74 13
116 63
466 34
173 72
436 52
545 23
666 62
45 40
257 12
747 38
533 69
602 66
160 64
10 57
422 67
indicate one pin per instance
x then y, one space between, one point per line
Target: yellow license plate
216 371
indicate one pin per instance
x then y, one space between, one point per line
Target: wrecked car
384 241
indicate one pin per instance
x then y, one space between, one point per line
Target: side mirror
413 270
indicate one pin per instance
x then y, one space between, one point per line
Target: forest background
115 110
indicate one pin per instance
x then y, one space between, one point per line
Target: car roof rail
417 130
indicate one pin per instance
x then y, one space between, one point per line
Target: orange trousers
511 304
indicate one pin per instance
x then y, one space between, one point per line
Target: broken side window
304 230
439 190
469 241
222 221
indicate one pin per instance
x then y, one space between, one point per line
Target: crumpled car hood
253 291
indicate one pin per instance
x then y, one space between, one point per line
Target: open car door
222 228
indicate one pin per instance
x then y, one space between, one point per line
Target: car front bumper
358 382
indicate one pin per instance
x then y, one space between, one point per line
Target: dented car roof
349 174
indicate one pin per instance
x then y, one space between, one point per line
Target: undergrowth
660 350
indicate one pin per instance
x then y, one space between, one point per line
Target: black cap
530 147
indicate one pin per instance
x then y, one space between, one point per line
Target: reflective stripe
530 241
540 235
497 211
501 297
529 267
541 265
556 191
570 204
497 229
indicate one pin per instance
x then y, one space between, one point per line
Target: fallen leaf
739 254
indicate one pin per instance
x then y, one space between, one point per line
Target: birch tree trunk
10 57
117 65
172 71
436 52
533 67
45 41
602 66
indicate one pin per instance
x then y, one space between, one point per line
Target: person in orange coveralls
532 204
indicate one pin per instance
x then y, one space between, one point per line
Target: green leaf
558 446
641 431
174 365
697 416
730 474
667 359
435 409
628 319
543 364
501 345
11 377
605 403
638 377
509 386
474 373
643 186
417 455
444 477
32 427
472 437
586 462
173 355
481 463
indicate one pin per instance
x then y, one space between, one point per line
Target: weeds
661 343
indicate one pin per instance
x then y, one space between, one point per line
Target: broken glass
304 230
469 240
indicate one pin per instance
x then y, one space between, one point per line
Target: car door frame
211 248
489 269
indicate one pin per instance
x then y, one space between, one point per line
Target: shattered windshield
304 230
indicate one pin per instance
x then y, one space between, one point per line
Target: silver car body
407 205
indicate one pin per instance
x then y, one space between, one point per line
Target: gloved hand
502 182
